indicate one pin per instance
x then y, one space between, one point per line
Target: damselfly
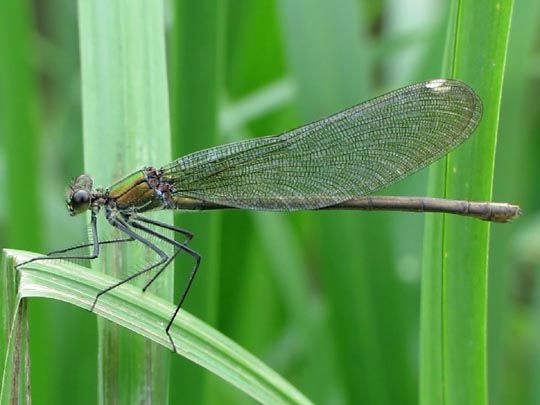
337 162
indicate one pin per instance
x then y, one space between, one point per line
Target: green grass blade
264 276
22 211
196 85
146 314
18 124
59 331
454 320
512 183
353 250
126 127
15 377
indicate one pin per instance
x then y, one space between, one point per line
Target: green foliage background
331 301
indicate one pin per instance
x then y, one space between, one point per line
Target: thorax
135 192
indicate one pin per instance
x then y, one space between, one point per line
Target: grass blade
145 314
22 220
15 383
512 183
126 127
19 125
196 86
352 252
454 318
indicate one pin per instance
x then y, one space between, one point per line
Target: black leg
179 246
192 275
95 251
184 232
164 225
125 228
185 292
173 256
84 245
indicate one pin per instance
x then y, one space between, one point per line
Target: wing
350 154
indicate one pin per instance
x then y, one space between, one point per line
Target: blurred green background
330 300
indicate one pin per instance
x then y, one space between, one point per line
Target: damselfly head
79 194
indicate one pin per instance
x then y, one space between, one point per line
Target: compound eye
80 201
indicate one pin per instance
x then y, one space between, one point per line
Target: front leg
95 244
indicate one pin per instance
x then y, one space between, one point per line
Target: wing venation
350 154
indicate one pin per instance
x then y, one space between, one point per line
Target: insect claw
172 342
94 304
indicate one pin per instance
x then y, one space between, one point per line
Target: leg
164 225
177 245
84 245
125 228
184 232
95 251
185 292
192 275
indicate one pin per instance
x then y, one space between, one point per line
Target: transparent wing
350 154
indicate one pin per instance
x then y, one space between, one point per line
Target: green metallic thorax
133 193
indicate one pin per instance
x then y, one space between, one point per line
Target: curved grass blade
15 382
146 315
